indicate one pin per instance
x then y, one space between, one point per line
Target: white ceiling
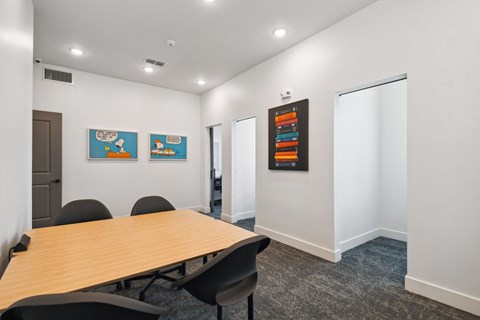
215 41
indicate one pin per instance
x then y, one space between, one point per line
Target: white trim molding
228 218
238 216
360 239
244 215
443 295
324 253
370 235
204 209
393 234
197 208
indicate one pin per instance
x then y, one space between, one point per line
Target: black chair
147 205
80 306
228 278
151 204
81 211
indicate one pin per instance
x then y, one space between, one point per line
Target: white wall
433 42
357 129
100 102
392 99
244 168
370 164
16 48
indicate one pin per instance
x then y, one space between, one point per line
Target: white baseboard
370 235
311 248
197 208
244 215
393 234
240 216
227 218
453 298
360 239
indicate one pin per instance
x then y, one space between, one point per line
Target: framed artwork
112 145
168 147
288 136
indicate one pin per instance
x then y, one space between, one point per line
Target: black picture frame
288 136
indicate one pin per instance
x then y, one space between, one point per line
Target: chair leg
219 312
183 269
250 307
119 285
142 293
205 258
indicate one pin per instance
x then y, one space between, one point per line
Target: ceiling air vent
55 75
155 62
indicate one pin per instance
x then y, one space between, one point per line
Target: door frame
337 156
235 214
208 168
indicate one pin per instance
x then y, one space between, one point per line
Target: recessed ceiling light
201 82
209 0
76 51
148 69
280 32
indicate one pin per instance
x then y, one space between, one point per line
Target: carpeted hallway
366 284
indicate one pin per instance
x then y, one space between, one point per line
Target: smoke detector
171 43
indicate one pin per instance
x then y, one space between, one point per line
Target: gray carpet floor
217 211
368 283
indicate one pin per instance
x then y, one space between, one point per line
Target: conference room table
80 256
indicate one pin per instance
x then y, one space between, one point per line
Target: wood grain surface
84 255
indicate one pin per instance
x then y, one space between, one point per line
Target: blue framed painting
112 145
168 147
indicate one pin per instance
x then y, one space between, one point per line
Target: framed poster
168 147
288 136
112 145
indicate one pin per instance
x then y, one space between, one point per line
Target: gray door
47 167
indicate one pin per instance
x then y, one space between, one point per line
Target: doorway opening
243 171
370 163
215 169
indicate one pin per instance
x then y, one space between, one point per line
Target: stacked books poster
288 137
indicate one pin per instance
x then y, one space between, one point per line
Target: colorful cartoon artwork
112 144
168 147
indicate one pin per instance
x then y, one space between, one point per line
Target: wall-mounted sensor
171 43
286 94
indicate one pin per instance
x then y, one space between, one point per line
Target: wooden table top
84 255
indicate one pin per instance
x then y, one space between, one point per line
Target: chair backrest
151 204
232 266
80 306
81 211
